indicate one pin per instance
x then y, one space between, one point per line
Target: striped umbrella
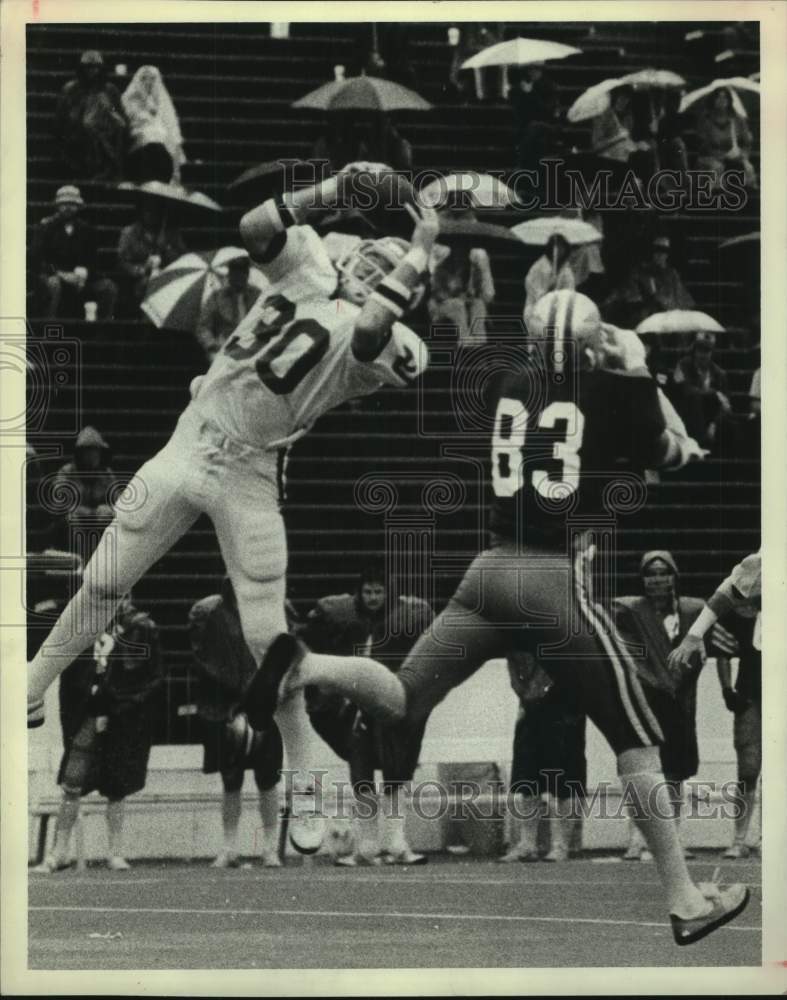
175 296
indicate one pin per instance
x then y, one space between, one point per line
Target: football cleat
35 713
51 864
736 852
268 689
557 854
518 855
724 905
405 857
118 864
227 859
356 861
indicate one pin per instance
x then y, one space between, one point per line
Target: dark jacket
61 245
93 487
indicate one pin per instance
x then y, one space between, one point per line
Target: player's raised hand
427 226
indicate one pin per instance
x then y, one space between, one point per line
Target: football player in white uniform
322 335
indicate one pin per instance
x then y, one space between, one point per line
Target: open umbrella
172 196
519 52
363 93
175 297
484 191
737 241
680 321
594 101
538 232
270 179
658 79
736 86
470 232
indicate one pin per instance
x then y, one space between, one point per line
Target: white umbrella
594 101
519 52
659 79
538 232
680 321
485 191
733 85
737 241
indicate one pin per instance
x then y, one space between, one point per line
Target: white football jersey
290 359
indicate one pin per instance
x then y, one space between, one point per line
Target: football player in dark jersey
562 423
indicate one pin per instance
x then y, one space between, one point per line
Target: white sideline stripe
364 914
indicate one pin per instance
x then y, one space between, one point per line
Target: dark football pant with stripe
542 602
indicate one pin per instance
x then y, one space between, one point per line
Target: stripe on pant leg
632 676
628 707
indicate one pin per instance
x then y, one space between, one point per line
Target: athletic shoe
118 864
405 857
50 865
357 861
306 825
458 849
517 855
35 713
557 854
736 852
724 905
267 689
271 859
645 856
227 859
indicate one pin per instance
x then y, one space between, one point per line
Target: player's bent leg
152 516
458 643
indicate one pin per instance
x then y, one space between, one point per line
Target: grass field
450 913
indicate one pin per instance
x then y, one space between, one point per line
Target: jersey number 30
508 442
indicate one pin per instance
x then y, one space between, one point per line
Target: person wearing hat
656 621
63 263
145 246
652 286
90 123
227 306
701 391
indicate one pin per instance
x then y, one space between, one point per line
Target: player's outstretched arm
389 300
264 226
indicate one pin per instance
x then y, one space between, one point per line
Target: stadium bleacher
233 86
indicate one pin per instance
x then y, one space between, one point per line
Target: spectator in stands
700 391
90 123
657 621
467 40
733 636
534 101
651 286
156 144
611 130
63 255
548 762
105 714
550 272
670 146
462 287
225 666
343 624
145 247
754 396
89 485
352 136
382 49
724 139
226 307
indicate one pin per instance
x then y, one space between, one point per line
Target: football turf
450 913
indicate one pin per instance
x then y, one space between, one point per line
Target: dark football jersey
564 444
748 683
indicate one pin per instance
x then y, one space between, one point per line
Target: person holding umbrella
144 248
227 306
724 140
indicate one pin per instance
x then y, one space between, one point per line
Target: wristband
417 258
392 295
279 215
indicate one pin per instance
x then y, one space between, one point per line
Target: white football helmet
563 316
365 265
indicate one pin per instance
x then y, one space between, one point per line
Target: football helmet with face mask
364 266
